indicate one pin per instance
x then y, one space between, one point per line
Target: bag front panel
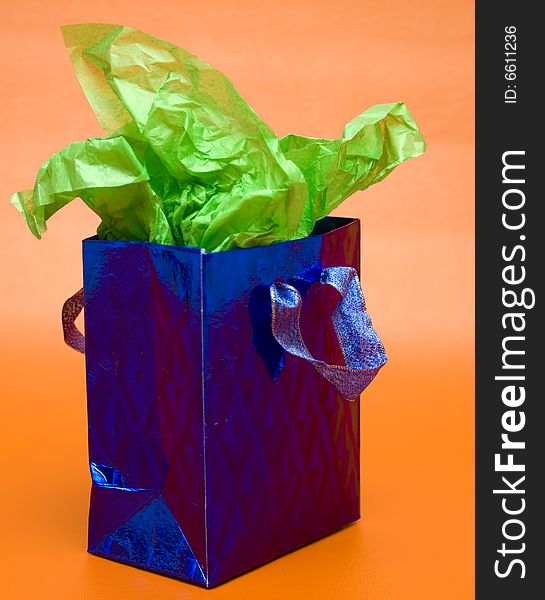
282 445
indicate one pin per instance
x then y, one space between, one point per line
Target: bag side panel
144 376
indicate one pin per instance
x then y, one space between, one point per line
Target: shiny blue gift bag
222 398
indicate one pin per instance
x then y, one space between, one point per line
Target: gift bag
226 335
222 398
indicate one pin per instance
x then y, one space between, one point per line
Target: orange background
306 67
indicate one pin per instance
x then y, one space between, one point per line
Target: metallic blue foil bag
218 439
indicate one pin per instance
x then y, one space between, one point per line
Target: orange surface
306 67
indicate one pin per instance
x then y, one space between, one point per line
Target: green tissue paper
186 161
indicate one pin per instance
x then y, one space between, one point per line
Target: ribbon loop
362 349
70 311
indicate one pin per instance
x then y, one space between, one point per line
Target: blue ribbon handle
362 349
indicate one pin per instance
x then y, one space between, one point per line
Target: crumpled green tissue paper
186 161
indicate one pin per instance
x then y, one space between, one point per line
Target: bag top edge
324 226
